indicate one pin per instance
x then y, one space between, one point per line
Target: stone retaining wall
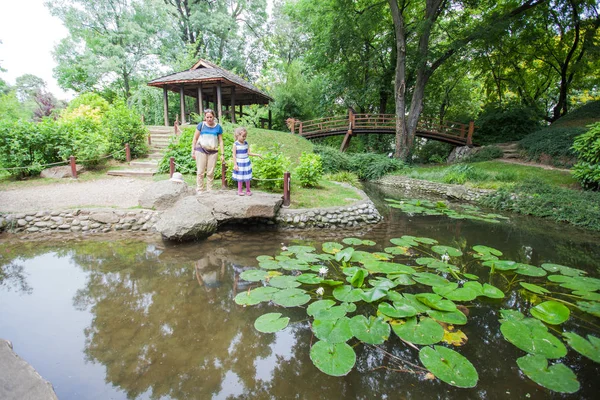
458 192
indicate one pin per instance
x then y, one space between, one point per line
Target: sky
29 33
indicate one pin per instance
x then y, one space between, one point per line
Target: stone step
143 164
132 172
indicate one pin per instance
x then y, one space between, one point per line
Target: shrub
370 166
485 154
123 125
461 173
587 148
91 101
432 151
345 177
553 144
542 200
84 139
332 159
310 170
512 122
269 169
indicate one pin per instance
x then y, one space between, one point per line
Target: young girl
242 167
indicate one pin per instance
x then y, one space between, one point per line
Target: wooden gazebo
209 83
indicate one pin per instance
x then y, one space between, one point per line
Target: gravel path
114 192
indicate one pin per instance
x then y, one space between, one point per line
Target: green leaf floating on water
589 348
332 330
326 310
308 257
264 258
501 265
347 293
309 279
344 255
451 251
448 317
318 306
255 296
436 301
254 275
529 270
534 288
492 291
429 279
558 377
449 366
426 331
352 241
551 312
485 250
332 247
397 310
370 330
335 359
532 336
405 241
269 264
300 249
563 269
291 298
590 307
592 296
270 323
284 282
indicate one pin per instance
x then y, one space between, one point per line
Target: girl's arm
196 136
234 151
253 154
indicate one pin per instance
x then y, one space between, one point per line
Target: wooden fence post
470 134
149 140
73 167
171 166
300 129
286 189
223 176
127 152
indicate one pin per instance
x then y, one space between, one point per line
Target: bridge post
470 134
300 129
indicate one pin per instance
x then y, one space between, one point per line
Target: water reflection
140 320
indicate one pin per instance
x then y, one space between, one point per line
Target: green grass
495 175
327 194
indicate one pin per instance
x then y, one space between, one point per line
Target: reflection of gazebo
206 82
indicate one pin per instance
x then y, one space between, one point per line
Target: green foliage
332 159
542 200
12 109
345 177
505 124
371 166
92 100
269 169
587 148
552 145
485 154
432 151
461 173
84 139
123 125
310 170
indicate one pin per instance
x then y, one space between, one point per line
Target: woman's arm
221 147
196 136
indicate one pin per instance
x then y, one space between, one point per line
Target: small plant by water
421 290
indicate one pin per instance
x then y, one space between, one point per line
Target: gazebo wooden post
219 101
241 111
200 100
182 105
233 105
270 119
166 105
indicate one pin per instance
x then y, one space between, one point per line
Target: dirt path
109 192
531 164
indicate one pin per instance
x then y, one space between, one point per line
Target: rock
456 192
227 205
188 219
163 194
60 172
459 153
19 380
105 217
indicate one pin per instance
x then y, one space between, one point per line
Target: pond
143 319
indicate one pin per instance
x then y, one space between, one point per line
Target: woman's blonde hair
238 131
209 110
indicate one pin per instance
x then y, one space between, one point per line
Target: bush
310 170
345 177
90 101
542 200
432 151
332 159
269 169
123 125
552 144
485 154
371 166
461 173
587 148
84 139
505 124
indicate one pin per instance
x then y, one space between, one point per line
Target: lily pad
485 250
300 249
558 378
529 270
404 241
370 330
448 317
255 296
436 302
592 296
501 265
532 336
254 275
335 359
294 265
344 255
308 257
564 270
318 306
309 279
269 264
429 279
352 241
451 251
332 330
534 288
284 282
426 331
492 291
590 307
551 312
347 293
589 348
264 258
291 298
449 366
271 322
331 247
397 310
397 251
373 294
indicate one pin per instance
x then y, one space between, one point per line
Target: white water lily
446 258
283 247
323 270
320 291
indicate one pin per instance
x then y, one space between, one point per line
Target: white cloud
29 33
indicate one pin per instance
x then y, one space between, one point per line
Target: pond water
143 319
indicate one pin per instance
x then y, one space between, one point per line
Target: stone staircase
159 139
510 149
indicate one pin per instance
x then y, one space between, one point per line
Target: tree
28 86
427 35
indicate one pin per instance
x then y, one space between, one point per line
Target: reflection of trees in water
13 277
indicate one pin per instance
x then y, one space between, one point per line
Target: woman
208 139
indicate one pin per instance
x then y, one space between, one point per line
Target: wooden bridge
352 124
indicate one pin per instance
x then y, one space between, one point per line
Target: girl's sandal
248 193
240 193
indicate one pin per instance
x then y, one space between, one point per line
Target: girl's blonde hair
238 131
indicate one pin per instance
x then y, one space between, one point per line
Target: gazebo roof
209 75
